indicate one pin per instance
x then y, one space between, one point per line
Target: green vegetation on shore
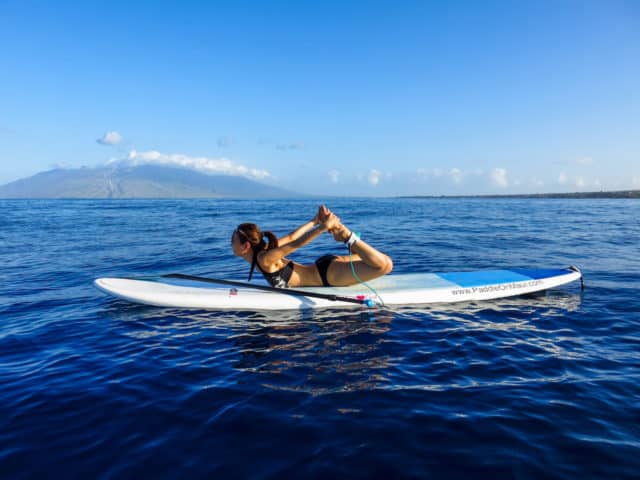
602 194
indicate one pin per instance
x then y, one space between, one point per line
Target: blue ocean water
544 386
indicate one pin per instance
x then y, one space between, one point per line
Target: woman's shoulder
265 263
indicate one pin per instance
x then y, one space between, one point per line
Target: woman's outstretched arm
275 254
322 215
297 233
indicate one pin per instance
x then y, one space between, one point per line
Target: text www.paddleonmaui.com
497 288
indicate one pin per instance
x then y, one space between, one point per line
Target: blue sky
350 98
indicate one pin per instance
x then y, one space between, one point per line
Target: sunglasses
243 237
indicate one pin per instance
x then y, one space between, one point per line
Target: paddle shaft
285 291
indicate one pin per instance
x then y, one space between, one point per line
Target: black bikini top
278 279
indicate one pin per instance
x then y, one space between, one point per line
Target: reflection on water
342 352
435 347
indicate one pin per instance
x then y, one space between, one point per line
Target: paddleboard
396 290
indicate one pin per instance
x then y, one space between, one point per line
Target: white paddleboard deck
402 289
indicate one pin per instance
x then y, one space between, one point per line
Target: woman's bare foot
336 228
341 233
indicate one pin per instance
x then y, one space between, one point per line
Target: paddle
286 291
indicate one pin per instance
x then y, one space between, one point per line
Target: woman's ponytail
273 240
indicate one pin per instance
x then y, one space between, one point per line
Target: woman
329 270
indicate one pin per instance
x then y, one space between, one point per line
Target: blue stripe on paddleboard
488 277
537 273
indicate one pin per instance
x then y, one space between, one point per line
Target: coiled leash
369 302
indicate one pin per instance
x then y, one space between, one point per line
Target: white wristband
353 238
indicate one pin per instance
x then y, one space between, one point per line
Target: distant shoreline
586 195
621 194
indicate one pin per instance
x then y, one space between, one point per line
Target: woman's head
248 236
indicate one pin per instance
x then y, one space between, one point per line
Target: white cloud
429 172
202 164
456 175
290 146
374 177
110 138
584 161
562 178
224 142
580 182
334 176
499 177
636 181
6 130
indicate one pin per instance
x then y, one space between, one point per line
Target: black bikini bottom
323 265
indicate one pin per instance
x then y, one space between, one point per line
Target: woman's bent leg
368 262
